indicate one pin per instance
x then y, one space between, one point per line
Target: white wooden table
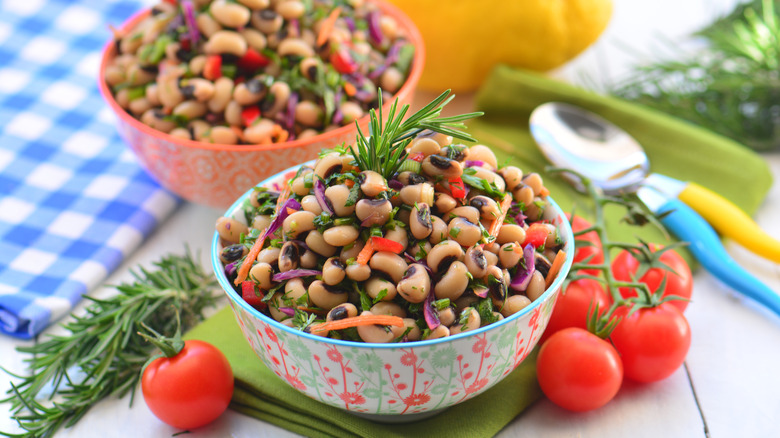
728 387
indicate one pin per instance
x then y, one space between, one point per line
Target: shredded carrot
356 321
496 225
310 310
557 263
349 89
366 253
545 192
349 183
327 26
290 210
243 271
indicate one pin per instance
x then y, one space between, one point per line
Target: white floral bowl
402 381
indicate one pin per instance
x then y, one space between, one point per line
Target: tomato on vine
679 282
589 246
574 304
652 341
578 371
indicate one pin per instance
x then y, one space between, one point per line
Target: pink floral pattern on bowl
394 379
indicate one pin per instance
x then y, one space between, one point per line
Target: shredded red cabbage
393 52
289 311
289 122
319 193
377 72
281 216
523 276
477 163
295 273
374 30
350 22
189 18
338 116
483 292
395 184
430 314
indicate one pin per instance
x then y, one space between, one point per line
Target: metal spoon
574 138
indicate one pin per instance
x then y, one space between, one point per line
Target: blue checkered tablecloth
73 200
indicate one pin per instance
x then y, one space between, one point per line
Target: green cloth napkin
675 148
261 394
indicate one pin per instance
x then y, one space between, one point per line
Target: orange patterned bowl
217 174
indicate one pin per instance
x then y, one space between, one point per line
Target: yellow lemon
464 39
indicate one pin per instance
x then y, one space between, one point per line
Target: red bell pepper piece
249 115
212 70
417 156
342 61
383 244
457 188
536 235
252 295
252 60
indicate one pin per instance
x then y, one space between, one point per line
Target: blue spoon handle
707 248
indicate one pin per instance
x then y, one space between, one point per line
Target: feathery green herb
102 354
383 150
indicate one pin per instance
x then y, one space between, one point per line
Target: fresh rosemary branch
383 150
102 354
732 87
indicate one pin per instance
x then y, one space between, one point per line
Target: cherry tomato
573 304
679 282
594 250
652 342
190 389
578 371
536 235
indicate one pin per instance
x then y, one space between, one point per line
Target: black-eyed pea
223 92
420 221
229 14
492 248
341 235
289 257
391 80
295 47
358 272
303 184
232 253
514 304
262 273
309 259
139 76
523 194
346 162
373 211
443 254
465 211
342 311
255 4
139 106
269 255
497 284
308 113
497 316
281 92
222 135
389 26
534 181
441 331
181 133
420 249
307 133
408 178
230 230
259 133
171 52
191 109
326 297
483 153
294 290
412 332
488 207
327 165
249 92
316 243
534 211
491 177
290 9
476 262
415 285
442 139
378 286
391 264
151 94
453 283
254 39
444 203
510 233
233 114
426 146
350 111
309 67
388 308
207 25
372 183
277 302
338 196
333 271
468 299
373 333
297 223
510 255
351 251
123 97
439 231
417 193
468 320
197 64
512 177
457 152
114 75
168 92
261 222
398 234
447 316
436 165
535 287
225 41
464 232
309 203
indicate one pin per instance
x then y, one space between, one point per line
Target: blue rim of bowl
219 272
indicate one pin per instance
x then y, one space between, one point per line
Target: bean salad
441 242
257 71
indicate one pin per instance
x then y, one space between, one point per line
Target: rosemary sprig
731 87
383 150
102 354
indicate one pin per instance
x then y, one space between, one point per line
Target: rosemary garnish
383 151
102 354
